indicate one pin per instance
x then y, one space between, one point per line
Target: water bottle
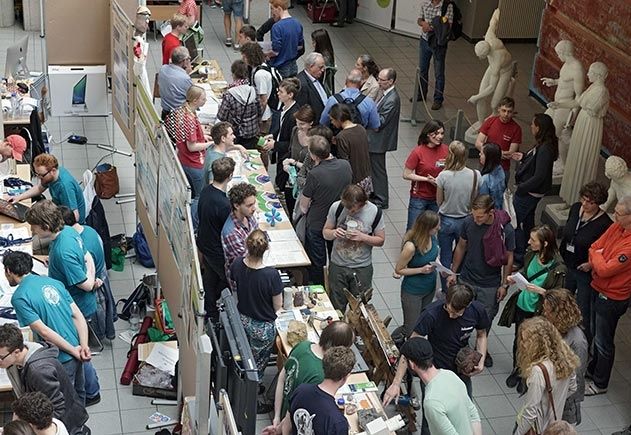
15 105
134 318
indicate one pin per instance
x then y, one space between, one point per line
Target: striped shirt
429 10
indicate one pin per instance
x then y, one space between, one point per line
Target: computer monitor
191 46
16 60
78 92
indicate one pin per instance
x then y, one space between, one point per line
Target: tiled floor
120 412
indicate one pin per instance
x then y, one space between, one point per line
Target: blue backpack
143 254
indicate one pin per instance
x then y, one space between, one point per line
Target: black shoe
264 408
513 379
437 105
89 401
349 21
488 361
521 387
417 99
337 24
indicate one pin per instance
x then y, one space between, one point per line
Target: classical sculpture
570 85
497 77
582 159
141 46
617 171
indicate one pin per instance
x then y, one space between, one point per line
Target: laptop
15 211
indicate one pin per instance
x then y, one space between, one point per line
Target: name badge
440 163
569 248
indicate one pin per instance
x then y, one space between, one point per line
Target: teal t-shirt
528 301
66 191
93 243
46 299
66 263
421 284
211 155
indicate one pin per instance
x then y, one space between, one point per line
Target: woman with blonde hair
561 309
548 364
456 187
191 142
259 294
420 247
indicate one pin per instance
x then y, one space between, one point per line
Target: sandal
592 390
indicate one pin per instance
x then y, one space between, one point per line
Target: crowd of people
329 149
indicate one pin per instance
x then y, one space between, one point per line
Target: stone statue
617 171
497 77
582 159
141 46
570 85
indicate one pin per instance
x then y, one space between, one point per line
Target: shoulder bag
546 377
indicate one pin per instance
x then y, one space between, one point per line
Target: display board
148 141
122 58
376 12
406 17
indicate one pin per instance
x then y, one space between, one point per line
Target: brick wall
600 31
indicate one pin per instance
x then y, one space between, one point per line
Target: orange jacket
610 257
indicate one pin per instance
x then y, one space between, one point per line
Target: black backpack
141 295
272 101
456 26
353 105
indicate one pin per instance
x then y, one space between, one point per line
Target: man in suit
385 138
311 90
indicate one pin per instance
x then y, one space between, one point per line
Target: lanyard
580 224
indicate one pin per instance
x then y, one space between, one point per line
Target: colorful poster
376 12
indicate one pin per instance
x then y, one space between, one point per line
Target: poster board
123 83
376 12
406 16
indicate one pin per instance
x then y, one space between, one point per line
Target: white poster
376 12
406 16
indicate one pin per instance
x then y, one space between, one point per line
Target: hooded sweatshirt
43 372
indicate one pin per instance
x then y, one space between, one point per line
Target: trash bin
7 13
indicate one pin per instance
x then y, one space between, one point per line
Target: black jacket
308 94
534 173
43 372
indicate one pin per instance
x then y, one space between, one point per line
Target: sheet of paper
520 281
441 269
281 235
144 349
164 358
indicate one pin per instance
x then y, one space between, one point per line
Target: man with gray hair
385 138
349 95
609 260
174 80
311 90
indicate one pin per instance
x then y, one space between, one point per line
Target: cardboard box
160 393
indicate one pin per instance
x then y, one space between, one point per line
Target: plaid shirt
243 117
233 237
429 10
188 8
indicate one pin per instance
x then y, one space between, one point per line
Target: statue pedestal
555 216
470 137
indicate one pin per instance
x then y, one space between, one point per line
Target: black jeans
580 283
525 207
607 312
520 316
467 383
316 249
214 281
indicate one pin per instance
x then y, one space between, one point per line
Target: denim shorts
234 6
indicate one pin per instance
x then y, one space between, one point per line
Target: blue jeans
607 312
581 283
195 177
418 206
290 69
315 246
525 207
439 54
450 229
74 370
92 387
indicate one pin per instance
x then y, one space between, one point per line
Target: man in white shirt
312 91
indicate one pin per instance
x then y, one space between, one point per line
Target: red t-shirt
426 161
193 159
169 43
502 134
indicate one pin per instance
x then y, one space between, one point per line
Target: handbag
106 181
546 377
509 207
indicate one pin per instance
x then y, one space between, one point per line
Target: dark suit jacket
286 126
309 95
386 137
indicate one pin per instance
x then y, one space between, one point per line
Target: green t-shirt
528 300
302 367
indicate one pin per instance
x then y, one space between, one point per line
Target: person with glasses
64 189
447 325
611 279
174 80
586 222
35 367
